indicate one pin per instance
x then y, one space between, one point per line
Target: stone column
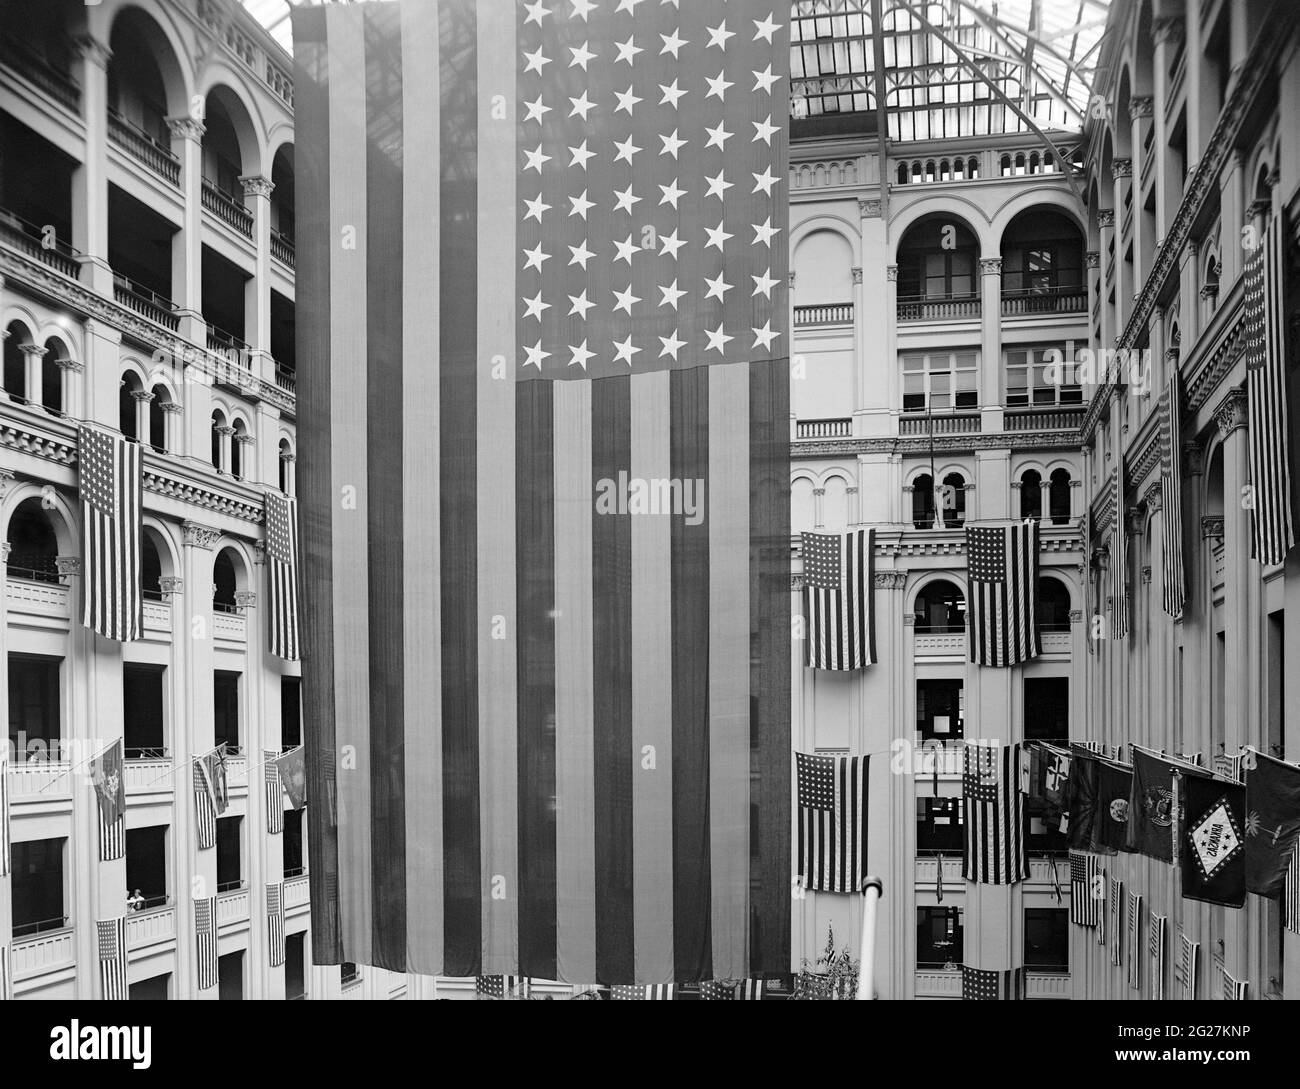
143 398
1121 171
90 179
257 291
893 373
819 507
225 431
187 253
103 380
1232 216
1109 318
33 376
70 372
173 429
874 350
1140 111
1166 33
247 466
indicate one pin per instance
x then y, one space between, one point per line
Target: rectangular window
938 826
34 711
142 710
349 974
940 710
230 977
1047 939
225 701
1042 376
146 867
940 381
290 712
1047 709
291 842
230 853
153 989
38 886
938 937
295 970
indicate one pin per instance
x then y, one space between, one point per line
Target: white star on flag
536 13
763 284
670 244
718 288
580 305
624 350
581 254
581 55
671 193
718 86
718 186
581 155
581 105
626 100
626 249
580 355
718 36
765 29
536 62
717 339
536 257
765 336
671 144
670 297
628 50
625 300
764 130
765 181
627 5
535 355
537 110
672 44
765 79
717 236
671 93
582 8
536 306
718 137
671 344
626 149
580 205
536 208
625 199
536 158
763 232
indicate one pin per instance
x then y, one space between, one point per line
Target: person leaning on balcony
135 902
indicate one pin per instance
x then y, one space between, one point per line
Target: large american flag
660 992
275 922
274 792
1085 889
550 360
210 794
832 822
1003 613
205 932
1266 391
993 814
838 576
1119 554
282 574
992 984
111 481
1171 497
112 959
1116 921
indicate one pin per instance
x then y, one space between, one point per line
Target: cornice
920 444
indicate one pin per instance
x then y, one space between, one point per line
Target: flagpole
872 887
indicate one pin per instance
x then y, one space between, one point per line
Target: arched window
941 608
218 422
52 376
15 376
223 583
1058 497
954 500
126 407
237 443
1031 494
285 454
33 546
158 419
923 501
1053 605
150 568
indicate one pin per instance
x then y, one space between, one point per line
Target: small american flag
992 985
718 990
1156 947
1266 392
1119 561
1003 618
993 815
1234 989
275 922
502 987
1085 883
205 806
205 932
1291 891
274 792
1189 955
1171 499
112 959
753 990
1228 767
1135 941
111 482
1116 921
838 578
653 992
832 821
5 860
282 572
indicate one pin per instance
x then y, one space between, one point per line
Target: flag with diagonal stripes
838 580
1272 520
112 959
993 814
551 364
111 482
832 801
1173 578
1002 619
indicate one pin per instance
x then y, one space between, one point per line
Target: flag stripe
538 721
421 540
464 889
653 681
316 249
575 847
1171 504
692 892
729 651
611 540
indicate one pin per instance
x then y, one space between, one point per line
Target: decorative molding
1121 168
1093 258
1105 218
93 50
1212 527
1146 574
244 439
186 128
920 444
1208 292
73 365
1258 209
224 429
68 566
33 349
891 273
259 552
171 586
1076 616
245 599
142 395
909 620
1214 366
1231 413
869 207
172 406
255 185
890 580
796 583
791 277
6 481
857 274
5 548
990 266
200 536
1153 497
1141 106
819 491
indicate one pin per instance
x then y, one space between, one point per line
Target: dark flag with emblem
1174 594
282 574
1049 782
1151 805
111 481
1002 617
832 822
1110 823
1212 835
992 985
1086 892
293 776
544 423
993 815
1266 391
838 576
1083 799
1272 822
106 773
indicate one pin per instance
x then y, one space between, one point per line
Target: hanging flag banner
1272 821
1189 956
1110 823
1086 889
1049 781
1156 948
110 477
1151 807
839 579
112 959
106 773
1174 580
1083 799
274 793
832 822
282 574
993 814
205 932
1002 617
1213 862
292 773
992 985
275 922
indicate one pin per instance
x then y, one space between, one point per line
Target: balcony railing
37 70
42 953
824 314
285 377
226 209
1058 300
146 303
1042 419
226 343
954 423
36 241
141 146
938 307
40 926
282 248
840 427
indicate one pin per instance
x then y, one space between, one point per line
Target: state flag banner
106 773
1049 781
1272 821
1083 799
544 402
838 579
1212 834
110 478
292 772
1111 819
1151 806
1002 618
832 822
993 813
